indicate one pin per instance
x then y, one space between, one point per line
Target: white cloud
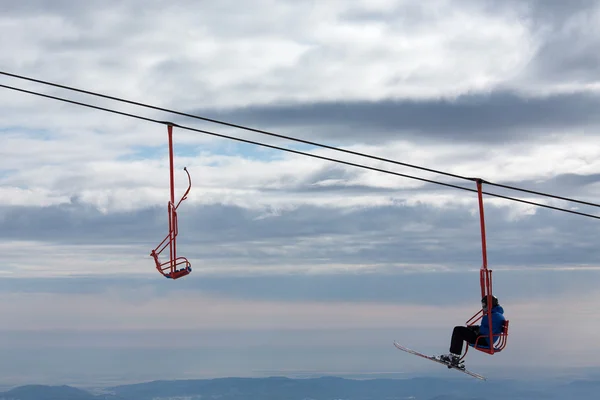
88 169
335 50
272 51
44 260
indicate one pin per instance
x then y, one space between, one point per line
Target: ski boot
452 360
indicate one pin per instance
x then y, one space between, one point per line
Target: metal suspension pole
485 274
172 245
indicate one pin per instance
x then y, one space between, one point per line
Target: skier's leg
460 334
483 341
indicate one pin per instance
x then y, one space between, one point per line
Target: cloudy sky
300 265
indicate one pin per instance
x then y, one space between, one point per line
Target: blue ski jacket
497 320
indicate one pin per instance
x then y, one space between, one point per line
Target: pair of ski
438 360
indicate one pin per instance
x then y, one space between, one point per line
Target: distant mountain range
325 388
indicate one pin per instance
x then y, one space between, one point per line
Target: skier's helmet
495 302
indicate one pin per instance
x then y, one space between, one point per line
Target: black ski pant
467 334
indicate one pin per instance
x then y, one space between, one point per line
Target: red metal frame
485 280
171 239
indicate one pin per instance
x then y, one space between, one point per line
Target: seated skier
470 333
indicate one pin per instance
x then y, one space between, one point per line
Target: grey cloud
544 12
76 222
390 286
39 7
213 223
568 57
571 185
541 12
578 186
314 235
568 51
400 288
496 118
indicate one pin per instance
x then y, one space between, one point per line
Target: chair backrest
500 343
505 327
